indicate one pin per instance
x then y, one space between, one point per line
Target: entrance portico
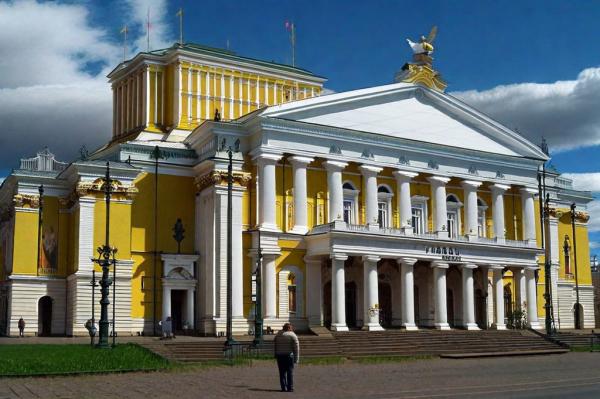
433 278
179 275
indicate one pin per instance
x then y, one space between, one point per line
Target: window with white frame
384 206
453 206
419 214
481 220
350 203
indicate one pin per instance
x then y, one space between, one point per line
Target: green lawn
586 348
56 359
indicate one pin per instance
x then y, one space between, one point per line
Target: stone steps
576 339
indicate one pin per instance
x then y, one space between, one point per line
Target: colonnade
439 271
267 198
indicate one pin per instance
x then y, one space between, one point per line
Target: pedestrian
21 327
287 353
168 326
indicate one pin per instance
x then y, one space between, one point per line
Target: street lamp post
547 268
577 304
40 225
230 341
106 257
258 319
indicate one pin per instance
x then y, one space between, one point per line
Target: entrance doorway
385 305
450 307
45 316
177 303
351 304
480 308
327 304
578 315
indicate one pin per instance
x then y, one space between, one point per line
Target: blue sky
533 65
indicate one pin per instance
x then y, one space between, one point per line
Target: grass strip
26 360
390 359
586 348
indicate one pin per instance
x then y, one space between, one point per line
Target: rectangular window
417 220
348 212
452 225
481 224
382 214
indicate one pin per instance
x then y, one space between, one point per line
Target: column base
410 327
299 230
499 327
442 234
373 327
500 240
441 326
472 237
373 227
407 230
535 325
471 327
270 227
339 327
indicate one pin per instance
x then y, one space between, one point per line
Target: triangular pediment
412 113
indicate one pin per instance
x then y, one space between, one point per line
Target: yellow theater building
390 206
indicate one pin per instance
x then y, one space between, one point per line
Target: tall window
567 252
418 219
292 302
452 224
481 227
384 206
350 201
453 215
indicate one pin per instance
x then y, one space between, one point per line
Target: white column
408 299
370 175
471 208
403 180
468 297
267 193
237 268
441 308
528 211
190 308
338 293
314 292
532 316
371 293
440 215
269 287
300 198
498 210
336 192
166 302
498 298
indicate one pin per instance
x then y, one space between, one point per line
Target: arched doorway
385 304
45 316
351 304
327 304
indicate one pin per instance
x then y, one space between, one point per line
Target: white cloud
159 26
594 210
585 181
565 112
48 96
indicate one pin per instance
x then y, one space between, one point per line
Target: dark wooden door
45 316
351 305
385 305
177 301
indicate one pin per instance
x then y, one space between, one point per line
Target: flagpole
293 45
180 15
124 32
148 31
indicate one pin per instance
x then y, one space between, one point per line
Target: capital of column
334 166
407 261
371 258
297 160
266 158
499 188
312 260
468 266
529 191
438 180
495 267
403 175
470 184
370 170
439 265
338 256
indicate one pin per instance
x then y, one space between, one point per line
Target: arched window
481 219
292 299
350 203
453 206
567 254
384 206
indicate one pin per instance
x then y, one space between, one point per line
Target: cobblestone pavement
573 375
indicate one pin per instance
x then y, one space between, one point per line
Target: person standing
21 328
287 353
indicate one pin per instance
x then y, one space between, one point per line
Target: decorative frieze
26 201
97 186
219 177
580 216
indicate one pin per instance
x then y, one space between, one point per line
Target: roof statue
420 70
425 45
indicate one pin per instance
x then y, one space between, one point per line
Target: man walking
287 353
21 326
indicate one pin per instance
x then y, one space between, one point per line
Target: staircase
456 343
354 344
573 339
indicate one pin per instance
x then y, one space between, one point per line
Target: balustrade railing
390 231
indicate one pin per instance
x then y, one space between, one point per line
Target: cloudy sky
534 65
